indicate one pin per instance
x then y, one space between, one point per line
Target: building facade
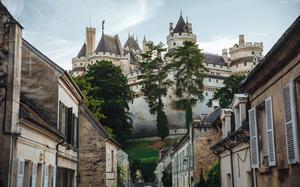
274 95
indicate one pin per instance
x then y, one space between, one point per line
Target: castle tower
181 33
145 46
90 40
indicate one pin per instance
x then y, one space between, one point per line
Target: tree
213 176
167 178
155 85
187 63
226 93
108 93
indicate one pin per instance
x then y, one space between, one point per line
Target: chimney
241 40
90 40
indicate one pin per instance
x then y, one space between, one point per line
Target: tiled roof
180 26
82 52
131 43
108 44
214 59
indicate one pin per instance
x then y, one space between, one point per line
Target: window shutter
20 176
237 118
69 125
33 174
270 131
53 176
253 138
290 120
46 173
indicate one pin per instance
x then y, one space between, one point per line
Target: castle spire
103 21
180 12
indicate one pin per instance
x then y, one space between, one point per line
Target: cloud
217 43
15 7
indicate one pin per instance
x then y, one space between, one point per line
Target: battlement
91 29
258 45
181 35
78 59
106 54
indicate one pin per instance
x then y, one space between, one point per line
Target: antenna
180 12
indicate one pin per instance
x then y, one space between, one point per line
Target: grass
147 150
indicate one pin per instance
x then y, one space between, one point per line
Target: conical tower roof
181 26
108 44
82 52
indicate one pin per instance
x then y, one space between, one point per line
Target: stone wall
10 65
204 157
92 155
39 82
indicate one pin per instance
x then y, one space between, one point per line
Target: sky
57 27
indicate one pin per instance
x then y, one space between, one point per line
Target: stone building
10 80
193 155
51 93
108 48
233 148
163 164
274 94
205 134
98 166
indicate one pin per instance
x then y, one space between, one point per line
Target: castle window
209 80
174 43
252 52
75 65
245 64
81 64
214 65
217 81
254 63
206 94
237 65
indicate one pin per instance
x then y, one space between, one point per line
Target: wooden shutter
20 176
270 131
46 174
33 174
253 138
53 176
290 120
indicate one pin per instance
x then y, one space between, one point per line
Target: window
206 94
209 80
174 44
217 80
245 64
65 177
252 52
237 65
253 138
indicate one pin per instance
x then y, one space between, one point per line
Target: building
182 162
163 164
97 150
123 165
10 80
274 94
108 48
51 95
205 134
240 58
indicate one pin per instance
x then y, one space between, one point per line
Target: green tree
108 94
213 176
226 93
120 176
187 63
167 178
155 85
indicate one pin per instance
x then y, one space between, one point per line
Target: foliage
187 63
155 84
202 182
108 93
226 93
148 168
120 176
167 178
135 165
213 177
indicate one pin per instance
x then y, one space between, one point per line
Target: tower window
209 80
252 52
237 65
174 43
245 64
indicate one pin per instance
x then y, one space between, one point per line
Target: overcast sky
57 27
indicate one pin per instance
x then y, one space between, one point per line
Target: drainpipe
56 159
231 165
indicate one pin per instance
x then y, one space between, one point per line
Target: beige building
47 147
109 48
98 163
274 94
233 148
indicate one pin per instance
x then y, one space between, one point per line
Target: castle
242 57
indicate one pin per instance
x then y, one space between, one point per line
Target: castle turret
181 33
241 40
90 40
225 55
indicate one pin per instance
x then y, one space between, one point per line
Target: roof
78 69
210 119
181 26
31 113
109 44
131 43
243 60
82 52
4 9
289 42
214 59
